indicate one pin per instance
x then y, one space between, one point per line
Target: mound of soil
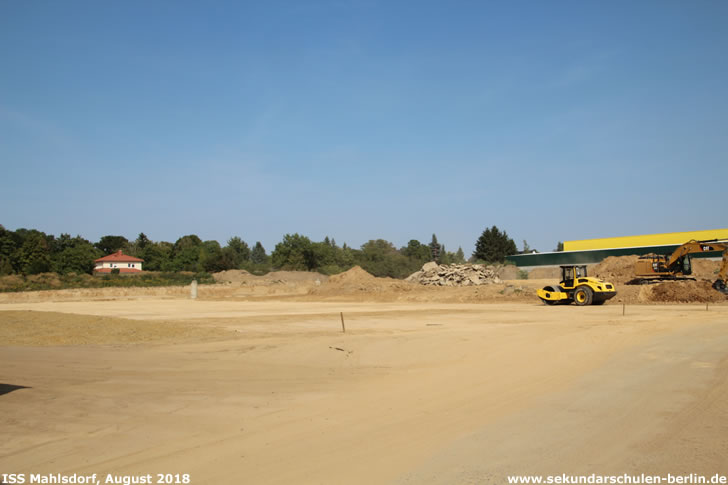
684 292
357 283
705 269
242 277
615 269
354 276
294 276
231 276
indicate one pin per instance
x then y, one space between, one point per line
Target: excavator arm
693 246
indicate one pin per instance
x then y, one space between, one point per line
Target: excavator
677 266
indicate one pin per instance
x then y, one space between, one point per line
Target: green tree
237 251
435 249
74 255
445 257
186 253
62 242
8 252
381 258
295 252
559 247
417 252
6 268
142 241
324 255
459 256
229 260
345 257
136 247
78 259
157 256
331 259
258 255
35 256
493 246
111 244
212 259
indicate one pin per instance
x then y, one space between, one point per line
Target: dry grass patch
30 328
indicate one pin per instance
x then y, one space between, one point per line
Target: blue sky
358 120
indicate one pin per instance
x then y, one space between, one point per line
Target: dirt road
273 392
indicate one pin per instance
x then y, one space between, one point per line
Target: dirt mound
294 276
242 277
684 292
705 269
231 276
357 284
615 269
355 275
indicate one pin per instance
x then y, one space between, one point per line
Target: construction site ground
255 382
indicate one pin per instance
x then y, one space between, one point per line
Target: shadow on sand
7 388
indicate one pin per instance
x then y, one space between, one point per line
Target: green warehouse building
587 251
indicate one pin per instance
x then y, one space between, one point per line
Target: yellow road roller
577 287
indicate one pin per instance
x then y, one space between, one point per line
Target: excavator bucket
720 286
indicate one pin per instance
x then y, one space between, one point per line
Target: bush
52 281
331 269
258 269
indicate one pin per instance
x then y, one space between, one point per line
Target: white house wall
119 265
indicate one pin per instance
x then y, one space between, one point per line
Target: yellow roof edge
660 239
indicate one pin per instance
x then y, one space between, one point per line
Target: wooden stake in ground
622 309
343 327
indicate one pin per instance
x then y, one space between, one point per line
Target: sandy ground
273 392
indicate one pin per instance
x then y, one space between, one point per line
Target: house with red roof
123 262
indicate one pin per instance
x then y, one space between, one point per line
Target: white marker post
193 290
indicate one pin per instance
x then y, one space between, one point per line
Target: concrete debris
434 274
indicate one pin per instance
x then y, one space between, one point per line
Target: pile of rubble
455 275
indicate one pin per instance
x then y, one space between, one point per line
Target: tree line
29 251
